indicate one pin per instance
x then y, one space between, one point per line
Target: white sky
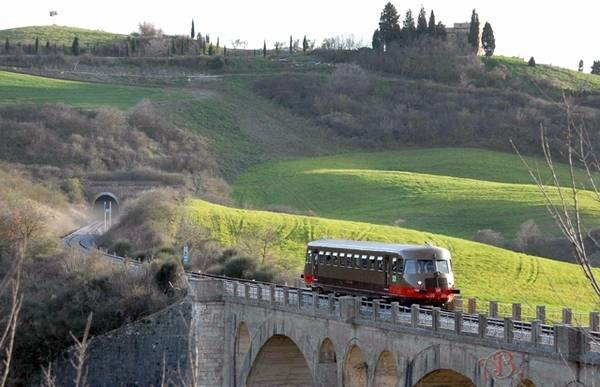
553 32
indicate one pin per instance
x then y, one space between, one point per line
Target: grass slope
22 88
57 34
449 191
485 272
541 79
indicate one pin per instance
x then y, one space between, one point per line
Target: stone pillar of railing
567 316
207 290
300 298
235 289
246 292
395 312
494 309
594 322
331 304
348 309
569 340
272 298
536 331
286 296
414 315
516 312
509 333
540 313
376 309
482 327
435 319
457 303
472 306
458 322
315 302
259 295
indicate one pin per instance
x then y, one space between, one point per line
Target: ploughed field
482 271
452 191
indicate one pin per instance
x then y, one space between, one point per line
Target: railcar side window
371 263
335 258
394 265
328 258
357 261
365 263
380 263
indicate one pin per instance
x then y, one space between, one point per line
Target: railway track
84 238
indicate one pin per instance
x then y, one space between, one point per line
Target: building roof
416 251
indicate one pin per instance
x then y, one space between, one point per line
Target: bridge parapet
573 343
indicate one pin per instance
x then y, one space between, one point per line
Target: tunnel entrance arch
280 363
105 200
444 378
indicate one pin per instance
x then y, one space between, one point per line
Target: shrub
490 237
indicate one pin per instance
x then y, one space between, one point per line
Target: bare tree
10 287
81 347
20 221
563 202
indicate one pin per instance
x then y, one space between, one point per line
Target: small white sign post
186 255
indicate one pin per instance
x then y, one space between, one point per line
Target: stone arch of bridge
280 363
327 367
262 333
386 370
355 370
444 378
526 383
451 359
242 346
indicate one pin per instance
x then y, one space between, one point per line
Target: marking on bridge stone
504 365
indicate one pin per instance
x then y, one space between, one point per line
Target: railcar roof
370 246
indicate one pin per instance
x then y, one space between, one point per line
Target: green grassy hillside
485 272
57 34
450 191
21 88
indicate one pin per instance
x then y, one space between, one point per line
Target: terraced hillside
453 191
483 271
57 34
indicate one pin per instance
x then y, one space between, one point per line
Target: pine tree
291 45
377 42
487 40
389 29
264 49
431 26
193 31
531 62
596 67
474 31
37 45
408 26
422 22
6 46
440 31
304 44
75 47
580 66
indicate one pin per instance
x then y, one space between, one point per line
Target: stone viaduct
229 333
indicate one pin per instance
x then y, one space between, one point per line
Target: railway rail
304 298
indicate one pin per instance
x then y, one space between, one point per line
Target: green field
21 88
450 191
57 34
485 272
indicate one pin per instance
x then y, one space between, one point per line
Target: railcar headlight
419 283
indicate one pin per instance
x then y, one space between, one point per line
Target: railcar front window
413 266
442 266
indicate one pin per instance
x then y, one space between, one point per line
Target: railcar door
388 272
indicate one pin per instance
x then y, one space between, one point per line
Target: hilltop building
460 34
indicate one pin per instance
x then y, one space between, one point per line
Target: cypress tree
218 43
474 31
225 50
487 40
173 48
304 44
440 31
422 22
37 45
291 45
211 49
596 67
47 47
75 47
580 66
408 26
193 31
265 49
531 62
431 26
377 42
389 29
6 46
